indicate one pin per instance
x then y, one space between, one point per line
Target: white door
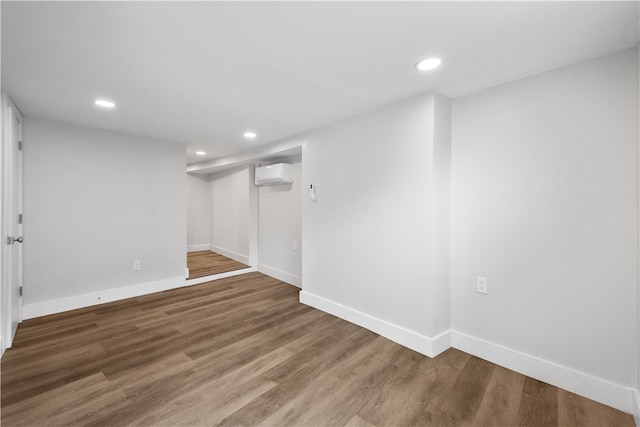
12 286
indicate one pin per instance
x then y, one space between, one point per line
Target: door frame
9 111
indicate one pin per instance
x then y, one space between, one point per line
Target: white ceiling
202 73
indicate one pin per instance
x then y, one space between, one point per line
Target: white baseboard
577 382
280 275
204 279
230 254
94 298
197 248
617 396
422 344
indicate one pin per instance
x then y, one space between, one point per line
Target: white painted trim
280 275
422 344
577 382
230 254
636 394
204 279
617 396
198 248
94 298
254 219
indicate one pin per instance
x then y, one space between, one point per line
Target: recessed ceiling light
201 153
428 64
104 103
250 135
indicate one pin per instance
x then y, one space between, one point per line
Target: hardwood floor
243 351
207 263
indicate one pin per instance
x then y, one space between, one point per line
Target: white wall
230 213
370 243
545 205
94 201
198 213
280 224
543 187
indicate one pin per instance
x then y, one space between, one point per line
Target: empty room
320 213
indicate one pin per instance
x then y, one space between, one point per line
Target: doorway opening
257 228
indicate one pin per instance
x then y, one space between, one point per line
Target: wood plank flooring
243 352
207 263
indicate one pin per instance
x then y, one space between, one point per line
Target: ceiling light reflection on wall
201 153
428 64
250 135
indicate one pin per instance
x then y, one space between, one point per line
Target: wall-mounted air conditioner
280 173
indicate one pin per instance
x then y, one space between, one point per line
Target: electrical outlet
481 285
137 265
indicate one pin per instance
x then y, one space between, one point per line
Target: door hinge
19 145
19 218
20 291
